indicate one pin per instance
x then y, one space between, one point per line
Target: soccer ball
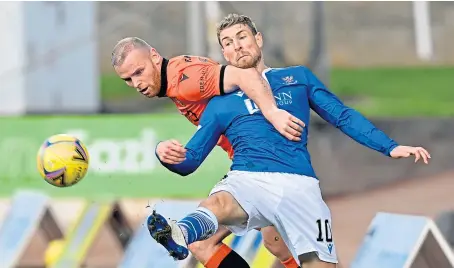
63 160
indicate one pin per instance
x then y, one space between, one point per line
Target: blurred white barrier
403 241
28 225
49 59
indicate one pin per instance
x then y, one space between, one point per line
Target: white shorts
292 203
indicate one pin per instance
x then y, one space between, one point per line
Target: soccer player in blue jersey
271 181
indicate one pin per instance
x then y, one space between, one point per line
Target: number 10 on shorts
324 231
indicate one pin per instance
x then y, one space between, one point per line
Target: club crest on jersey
183 77
288 80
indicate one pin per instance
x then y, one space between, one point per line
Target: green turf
397 91
418 91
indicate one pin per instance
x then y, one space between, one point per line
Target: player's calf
276 246
212 253
225 257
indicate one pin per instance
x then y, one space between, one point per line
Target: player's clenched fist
407 151
171 152
288 125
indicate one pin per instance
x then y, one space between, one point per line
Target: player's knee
196 247
205 249
222 205
202 250
274 244
215 204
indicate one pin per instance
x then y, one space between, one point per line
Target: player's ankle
198 225
184 231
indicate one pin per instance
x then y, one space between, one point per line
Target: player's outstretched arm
185 161
354 124
256 88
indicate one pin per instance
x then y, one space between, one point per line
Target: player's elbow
341 116
182 170
186 171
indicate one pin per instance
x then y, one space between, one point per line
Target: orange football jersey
190 82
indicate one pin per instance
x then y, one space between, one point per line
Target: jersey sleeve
201 79
201 144
348 120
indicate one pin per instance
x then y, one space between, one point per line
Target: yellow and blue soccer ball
63 160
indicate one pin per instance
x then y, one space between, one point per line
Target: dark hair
234 19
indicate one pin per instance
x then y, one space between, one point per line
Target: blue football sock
199 225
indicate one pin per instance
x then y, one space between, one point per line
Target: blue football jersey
257 145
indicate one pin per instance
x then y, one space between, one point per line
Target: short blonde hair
124 47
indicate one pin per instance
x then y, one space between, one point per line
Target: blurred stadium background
393 61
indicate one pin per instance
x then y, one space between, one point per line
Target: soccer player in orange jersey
190 81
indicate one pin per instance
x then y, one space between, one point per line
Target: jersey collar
163 90
264 74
